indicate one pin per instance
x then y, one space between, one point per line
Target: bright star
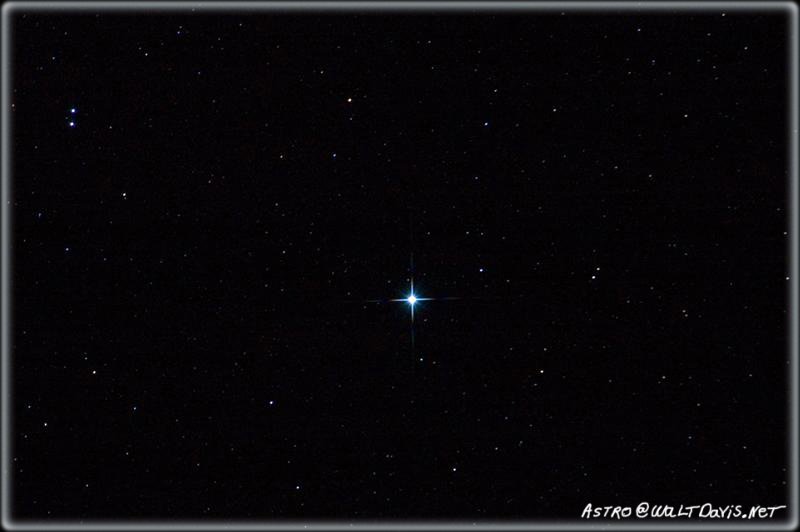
411 299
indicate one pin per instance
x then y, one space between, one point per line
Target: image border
439 7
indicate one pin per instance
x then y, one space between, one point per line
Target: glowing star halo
411 299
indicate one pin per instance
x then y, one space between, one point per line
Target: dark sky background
604 193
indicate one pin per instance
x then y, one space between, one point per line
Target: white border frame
791 9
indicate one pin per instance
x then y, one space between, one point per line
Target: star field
213 215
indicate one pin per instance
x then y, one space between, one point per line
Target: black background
605 193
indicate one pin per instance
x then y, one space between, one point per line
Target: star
412 299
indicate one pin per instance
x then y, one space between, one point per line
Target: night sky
212 212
